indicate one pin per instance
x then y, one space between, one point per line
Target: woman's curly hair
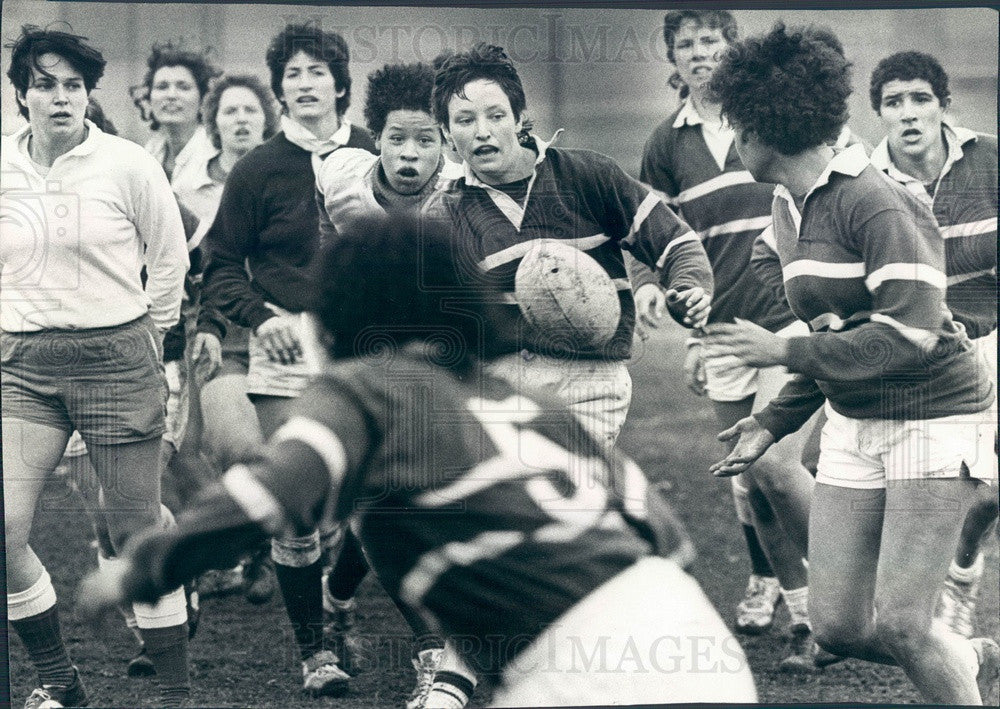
397 87
907 66
790 87
172 54
210 106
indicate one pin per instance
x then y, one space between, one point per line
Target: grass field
244 656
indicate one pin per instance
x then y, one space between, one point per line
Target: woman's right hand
206 354
752 441
279 336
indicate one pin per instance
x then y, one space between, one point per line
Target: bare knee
900 632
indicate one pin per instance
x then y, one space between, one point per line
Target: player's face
240 120
482 126
410 145
308 88
56 101
174 97
697 50
912 115
756 157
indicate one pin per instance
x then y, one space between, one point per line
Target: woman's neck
710 112
798 173
177 135
44 150
322 127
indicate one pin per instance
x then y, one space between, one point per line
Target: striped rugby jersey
725 206
965 206
479 507
863 264
588 201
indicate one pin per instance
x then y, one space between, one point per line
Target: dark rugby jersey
965 206
267 224
726 207
863 264
588 201
476 505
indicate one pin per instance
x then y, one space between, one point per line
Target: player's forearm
797 401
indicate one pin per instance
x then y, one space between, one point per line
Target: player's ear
447 136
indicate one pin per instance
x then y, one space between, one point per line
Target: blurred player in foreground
908 437
953 171
476 505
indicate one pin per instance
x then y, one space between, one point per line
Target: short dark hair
395 87
328 47
713 19
483 61
96 115
389 281
210 107
34 42
171 54
790 87
906 66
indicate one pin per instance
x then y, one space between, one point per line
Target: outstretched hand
753 442
754 345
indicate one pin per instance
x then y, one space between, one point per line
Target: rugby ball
567 295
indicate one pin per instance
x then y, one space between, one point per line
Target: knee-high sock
299 570
350 569
35 617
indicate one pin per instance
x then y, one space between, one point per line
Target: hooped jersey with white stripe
726 207
482 509
863 264
964 200
585 199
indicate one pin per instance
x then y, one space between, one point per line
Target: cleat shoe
322 675
53 696
220 582
957 605
802 651
755 613
988 675
259 580
425 663
341 619
193 604
449 691
825 658
141 665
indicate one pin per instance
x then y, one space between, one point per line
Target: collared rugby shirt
725 206
863 264
588 201
964 202
480 508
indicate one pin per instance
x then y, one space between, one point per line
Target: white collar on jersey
849 161
955 137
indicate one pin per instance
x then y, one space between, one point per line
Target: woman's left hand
751 343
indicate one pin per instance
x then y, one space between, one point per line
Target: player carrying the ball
468 496
519 190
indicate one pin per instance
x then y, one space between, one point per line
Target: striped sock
35 616
167 648
43 640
